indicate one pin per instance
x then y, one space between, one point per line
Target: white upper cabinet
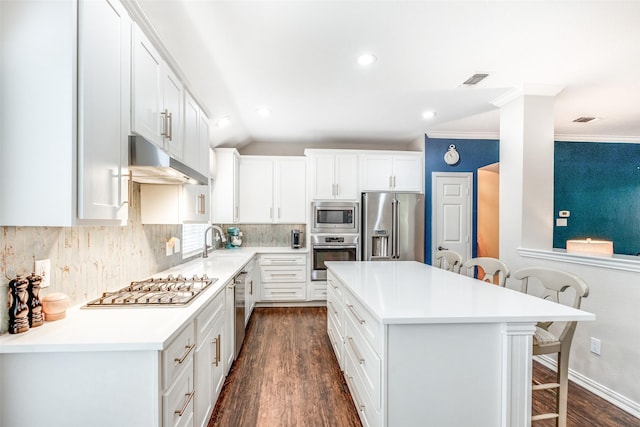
256 190
174 204
146 89
390 171
156 97
171 114
225 190
272 189
73 82
196 136
104 44
333 175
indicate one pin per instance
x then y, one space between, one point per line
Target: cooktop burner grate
154 292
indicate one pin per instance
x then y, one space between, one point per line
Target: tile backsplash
86 260
89 260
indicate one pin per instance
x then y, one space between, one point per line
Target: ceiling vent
475 79
584 119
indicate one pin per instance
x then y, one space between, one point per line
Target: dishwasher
239 284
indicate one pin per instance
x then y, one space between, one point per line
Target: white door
451 213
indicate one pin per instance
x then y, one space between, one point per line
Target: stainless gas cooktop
155 292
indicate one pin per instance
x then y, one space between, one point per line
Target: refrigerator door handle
395 230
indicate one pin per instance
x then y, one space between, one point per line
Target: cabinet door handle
356 315
359 405
200 204
337 189
180 412
251 287
270 213
170 126
165 123
184 356
279 215
216 341
355 350
332 307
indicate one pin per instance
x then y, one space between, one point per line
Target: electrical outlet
595 346
168 247
43 268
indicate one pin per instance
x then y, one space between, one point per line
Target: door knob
440 248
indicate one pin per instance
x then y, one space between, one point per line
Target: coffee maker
234 238
296 239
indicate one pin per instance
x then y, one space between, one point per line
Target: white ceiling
299 59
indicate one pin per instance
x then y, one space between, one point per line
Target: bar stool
495 271
448 260
544 342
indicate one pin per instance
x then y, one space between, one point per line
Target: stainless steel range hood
149 164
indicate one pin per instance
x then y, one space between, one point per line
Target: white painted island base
422 346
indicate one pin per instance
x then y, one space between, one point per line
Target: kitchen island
422 346
126 366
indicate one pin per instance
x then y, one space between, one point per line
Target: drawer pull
180 412
355 350
355 314
359 405
282 274
281 260
184 356
332 307
283 292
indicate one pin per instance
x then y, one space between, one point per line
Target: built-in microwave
335 217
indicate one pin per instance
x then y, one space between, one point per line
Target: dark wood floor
286 375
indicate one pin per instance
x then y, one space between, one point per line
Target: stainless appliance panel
332 248
239 304
392 226
334 217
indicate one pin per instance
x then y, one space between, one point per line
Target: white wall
526 165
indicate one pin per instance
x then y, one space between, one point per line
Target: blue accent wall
474 154
599 183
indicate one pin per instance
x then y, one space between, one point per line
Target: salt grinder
36 317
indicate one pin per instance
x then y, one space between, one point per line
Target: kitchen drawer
317 292
369 414
367 362
282 273
177 355
335 310
281 292
367 325
283 259
208 316
177 402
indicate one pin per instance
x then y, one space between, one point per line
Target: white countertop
400 292
133 329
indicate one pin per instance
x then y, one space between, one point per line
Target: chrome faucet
213 228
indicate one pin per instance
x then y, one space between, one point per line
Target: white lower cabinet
250 290
357 339
209 365
283 277
229 340
178 379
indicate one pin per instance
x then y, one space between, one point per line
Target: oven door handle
336 247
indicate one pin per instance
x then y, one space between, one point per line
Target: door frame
469 213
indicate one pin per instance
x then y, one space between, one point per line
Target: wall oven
331 247
334 217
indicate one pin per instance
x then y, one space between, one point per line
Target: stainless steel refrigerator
392 227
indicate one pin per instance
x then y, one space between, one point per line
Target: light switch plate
561 222
43 268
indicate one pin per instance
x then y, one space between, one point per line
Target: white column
516 374
526 169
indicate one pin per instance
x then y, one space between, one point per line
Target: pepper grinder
36 317
18 305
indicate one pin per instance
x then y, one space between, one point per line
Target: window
192 239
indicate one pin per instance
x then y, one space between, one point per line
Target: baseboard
598 389
291 303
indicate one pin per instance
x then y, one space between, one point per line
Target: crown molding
463 135
527 90
595 138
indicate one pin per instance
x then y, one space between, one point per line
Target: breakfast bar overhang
423 346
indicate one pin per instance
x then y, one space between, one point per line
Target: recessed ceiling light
427 115
366 59
263 111
223 122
